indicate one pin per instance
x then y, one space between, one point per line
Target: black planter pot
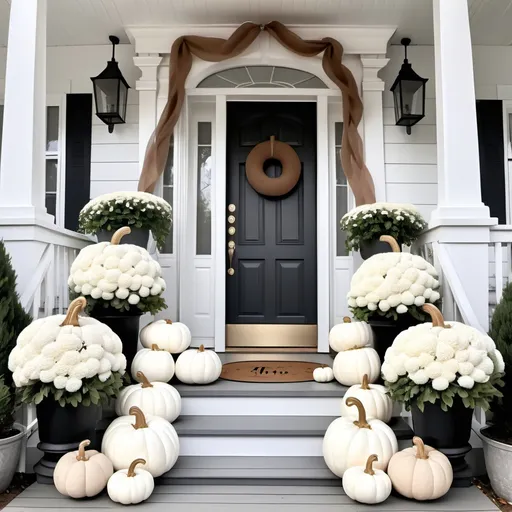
138 236
448 432
385 330
61 429
368 248
125 325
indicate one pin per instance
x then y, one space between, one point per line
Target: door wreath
290 163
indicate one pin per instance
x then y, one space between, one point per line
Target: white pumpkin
131 486
349 443
153 398
323 374
351 365
377 403
349 335
156 364
198 366
174 337
153 439
420 472
82 474
365 484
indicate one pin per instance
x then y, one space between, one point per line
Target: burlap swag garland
214 49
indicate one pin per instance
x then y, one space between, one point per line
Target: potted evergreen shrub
13 319
365 224
497 437
441 371
67 365
141 211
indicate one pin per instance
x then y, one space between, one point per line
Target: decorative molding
148 64
355 40
371 67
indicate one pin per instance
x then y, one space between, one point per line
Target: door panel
275 276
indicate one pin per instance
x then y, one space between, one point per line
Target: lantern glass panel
107 106
412 98
123 99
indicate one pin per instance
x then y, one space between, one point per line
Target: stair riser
240 446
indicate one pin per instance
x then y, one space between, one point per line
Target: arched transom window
263 77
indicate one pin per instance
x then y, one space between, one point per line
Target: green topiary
501 333
13 319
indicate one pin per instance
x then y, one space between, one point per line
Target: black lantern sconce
111 92
408 94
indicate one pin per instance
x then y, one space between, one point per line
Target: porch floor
209 498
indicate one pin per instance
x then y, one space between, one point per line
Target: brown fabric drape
214 49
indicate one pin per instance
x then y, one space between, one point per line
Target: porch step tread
267 426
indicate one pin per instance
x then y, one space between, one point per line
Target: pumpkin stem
346 320
155 347
420 448
131 469
201 348
369 463
74 309
364 384
435 314
81 450
391 241
361 422
168 322
140 419
144 380
116 237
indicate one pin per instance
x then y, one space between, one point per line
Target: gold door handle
231 253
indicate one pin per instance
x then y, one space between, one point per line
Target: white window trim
507 149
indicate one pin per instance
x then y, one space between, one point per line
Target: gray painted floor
202 498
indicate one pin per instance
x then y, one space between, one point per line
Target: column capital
372 64
148 64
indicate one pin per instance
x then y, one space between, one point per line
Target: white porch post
22 168
461 221
373 121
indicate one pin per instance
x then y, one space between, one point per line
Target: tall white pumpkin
349 443
198 366
174 337
351 365
349 335
377 403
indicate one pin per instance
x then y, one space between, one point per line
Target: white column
373 121
459 194
147 85
22 168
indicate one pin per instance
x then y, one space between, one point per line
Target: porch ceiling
89 22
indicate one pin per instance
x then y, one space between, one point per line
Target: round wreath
256 175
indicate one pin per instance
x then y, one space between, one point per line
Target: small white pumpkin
153 398
377 403
349 335
174 337
156 364
323 374
365 484
131 486
198 366
350 366
349 443
82 474
153 439
420 472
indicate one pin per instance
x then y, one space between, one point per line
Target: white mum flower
73 384
420 377
401 309
466 382
434 370
440 384
389 373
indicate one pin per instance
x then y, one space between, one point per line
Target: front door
271 298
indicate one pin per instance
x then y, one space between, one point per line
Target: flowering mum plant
135 209
391 284
72 358
122 276
440 361
367 222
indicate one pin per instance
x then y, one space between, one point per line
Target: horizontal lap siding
115 156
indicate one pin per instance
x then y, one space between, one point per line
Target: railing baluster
498 270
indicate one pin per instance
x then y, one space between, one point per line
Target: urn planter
61 429
138 236
369 248
10 451
498 462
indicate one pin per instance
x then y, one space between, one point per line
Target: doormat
269 371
